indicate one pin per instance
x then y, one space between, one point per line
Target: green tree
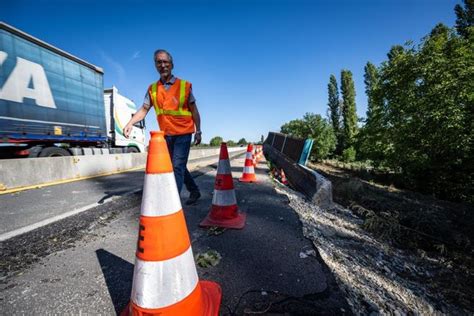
372 141
430 102
464 18
231 143
349 115
216 141
335 110
315 127
242 141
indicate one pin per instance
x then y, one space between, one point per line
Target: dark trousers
179 146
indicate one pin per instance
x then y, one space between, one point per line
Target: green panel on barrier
308 145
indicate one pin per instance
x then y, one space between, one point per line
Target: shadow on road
118 275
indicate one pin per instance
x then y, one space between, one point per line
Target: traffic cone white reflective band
248 155
158 284
224 197
224 167
249 169
158 202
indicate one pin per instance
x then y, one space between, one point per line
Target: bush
315 127
242 141
349 154
216 141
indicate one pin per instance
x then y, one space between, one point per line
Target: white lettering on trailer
16 87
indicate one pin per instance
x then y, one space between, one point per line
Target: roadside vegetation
407 168
419 125
217 140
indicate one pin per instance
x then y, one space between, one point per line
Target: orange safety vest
171 107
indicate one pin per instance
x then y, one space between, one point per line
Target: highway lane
28 207
26 210
84 264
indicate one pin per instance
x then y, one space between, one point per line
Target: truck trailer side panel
47 94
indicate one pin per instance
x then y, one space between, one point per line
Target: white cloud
115 66
135 55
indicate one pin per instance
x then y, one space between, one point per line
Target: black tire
132 150
35 151
54 152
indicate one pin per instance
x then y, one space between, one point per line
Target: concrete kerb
313 185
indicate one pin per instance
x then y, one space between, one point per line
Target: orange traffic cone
256 156
224 211
283 177
276 174
260 152
165 280
248 174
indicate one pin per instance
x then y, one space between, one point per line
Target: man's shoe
193 197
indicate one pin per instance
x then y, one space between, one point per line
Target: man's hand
127 130
137 117
197 138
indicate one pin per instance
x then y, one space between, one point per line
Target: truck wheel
54 152
132 149
34 151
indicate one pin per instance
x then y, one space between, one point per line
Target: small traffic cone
254 160
165 280
224 211
283 177
257 156
260 152
248 174
276 174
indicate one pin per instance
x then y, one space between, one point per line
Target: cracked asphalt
84 264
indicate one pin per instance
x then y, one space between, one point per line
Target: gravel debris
376 277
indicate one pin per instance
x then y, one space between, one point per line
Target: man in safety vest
177 113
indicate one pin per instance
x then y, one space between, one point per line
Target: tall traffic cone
165 280
248 174
224 211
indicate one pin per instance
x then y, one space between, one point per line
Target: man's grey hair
163 51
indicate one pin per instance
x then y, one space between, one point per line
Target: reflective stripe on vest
182 95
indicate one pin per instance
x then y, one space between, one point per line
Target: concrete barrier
316 188
24 173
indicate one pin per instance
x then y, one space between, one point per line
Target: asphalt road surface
84 263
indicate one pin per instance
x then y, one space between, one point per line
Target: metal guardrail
296 149
290 154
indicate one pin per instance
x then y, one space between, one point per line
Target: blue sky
254 65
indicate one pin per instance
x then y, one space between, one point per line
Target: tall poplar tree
371 80
349 114
372 140
334 110
464 17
